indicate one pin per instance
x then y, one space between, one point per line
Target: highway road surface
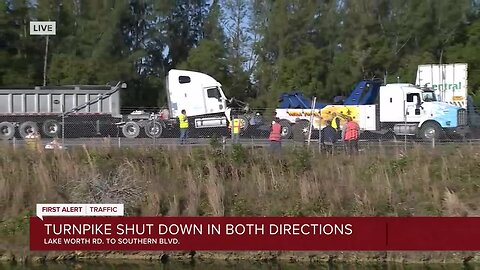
124 142
69 142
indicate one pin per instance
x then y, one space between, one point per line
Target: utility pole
45 61
44 28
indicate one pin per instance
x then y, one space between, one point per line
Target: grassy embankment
240 181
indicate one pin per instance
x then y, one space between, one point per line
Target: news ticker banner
251 233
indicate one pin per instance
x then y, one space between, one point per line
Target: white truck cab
195 92
412 110
199 94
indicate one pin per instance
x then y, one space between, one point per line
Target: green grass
242 182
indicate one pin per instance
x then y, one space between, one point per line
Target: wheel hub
154 130
53 128
131 130
430 133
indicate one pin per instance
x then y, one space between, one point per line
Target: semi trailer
89 109
448 81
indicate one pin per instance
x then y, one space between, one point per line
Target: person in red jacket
350 135
275 137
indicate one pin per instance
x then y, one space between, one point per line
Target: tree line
256 48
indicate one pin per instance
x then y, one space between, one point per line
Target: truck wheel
244 123
153 129
27 127
131 130
430 131
7 130
51 128
286 131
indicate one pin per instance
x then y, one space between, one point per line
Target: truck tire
7 130
131 130
430 131
51 128
153 129
244 123
27 127
286 131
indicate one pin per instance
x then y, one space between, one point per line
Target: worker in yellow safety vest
33 140
183 124
237 125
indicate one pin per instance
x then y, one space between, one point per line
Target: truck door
213 100
413 108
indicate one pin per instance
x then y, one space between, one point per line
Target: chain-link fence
299 127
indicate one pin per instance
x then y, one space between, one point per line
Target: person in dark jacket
329 137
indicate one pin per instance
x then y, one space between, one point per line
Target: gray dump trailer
82 108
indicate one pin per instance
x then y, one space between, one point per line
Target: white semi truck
400 108
201 96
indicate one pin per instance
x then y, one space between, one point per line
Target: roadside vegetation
242 181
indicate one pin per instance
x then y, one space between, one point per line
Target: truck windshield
429 96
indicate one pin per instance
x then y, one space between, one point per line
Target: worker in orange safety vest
235 131
275 137
350 135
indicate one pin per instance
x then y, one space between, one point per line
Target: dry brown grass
245 181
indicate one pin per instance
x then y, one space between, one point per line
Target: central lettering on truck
447 86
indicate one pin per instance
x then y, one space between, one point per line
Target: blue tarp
358 96
296 100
